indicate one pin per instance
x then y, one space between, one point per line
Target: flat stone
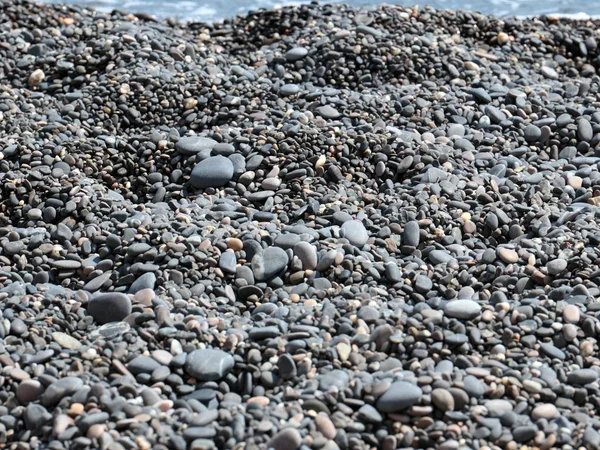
215 171
59 389
439 257
109 307
508 255
462 309
582 377
296 54
66 341
209 364
191 145
286 439
307 254
142 364
400 395
144 281
355 232
270 262
411 235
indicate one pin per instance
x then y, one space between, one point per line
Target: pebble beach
315 227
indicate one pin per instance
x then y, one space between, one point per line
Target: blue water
210 11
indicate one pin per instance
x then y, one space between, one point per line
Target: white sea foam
205 11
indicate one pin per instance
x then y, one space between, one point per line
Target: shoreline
315 227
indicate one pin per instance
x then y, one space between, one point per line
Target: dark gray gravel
311 228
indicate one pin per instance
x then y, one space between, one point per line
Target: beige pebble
325 426
503 38
235 244
261 400
544 411
575 182
571 314
96 430
508 255
36 77
75 409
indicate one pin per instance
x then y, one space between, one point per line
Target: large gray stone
215 171
209 364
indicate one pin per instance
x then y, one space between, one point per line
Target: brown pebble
235 244
325 426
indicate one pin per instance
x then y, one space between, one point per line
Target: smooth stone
66 264
442 399
307 254
328 112
143 364
289 89
286 439
355 232
571 314
145 281
544 411
532 133
228 262
59 389
36 416
585 132
109 307
582 377
439 257
462 309
337 378
411 234
399 396
215 171
29 391
296 54
191 145
556 266
508 255
209 364
269 263
66 341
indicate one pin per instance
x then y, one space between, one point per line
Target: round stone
209 364
270 262
545 411
286 439
307 254
442 399
400 395
190 145
462 309
412 234
214 171
296 54
355 232
571 314
556 266
109 307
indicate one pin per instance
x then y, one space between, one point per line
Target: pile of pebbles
312 228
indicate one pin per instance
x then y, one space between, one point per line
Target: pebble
355 232
462 309
209 364
399 396
214 171
109 307
312 227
